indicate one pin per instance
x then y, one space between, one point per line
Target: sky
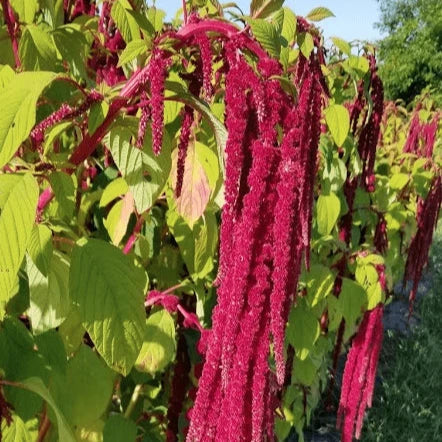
354 18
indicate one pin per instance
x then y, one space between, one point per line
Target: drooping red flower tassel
183 143
359 374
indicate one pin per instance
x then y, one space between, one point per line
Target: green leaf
319 281
64 188
159 344
328 208
37 49
16 222
342 45
19 101
126 23
40 247
156 17
133 163
118 218
338 121
197 245
7 182
73 47
351 299
358 64
16 432
117 428
306 44
302 331
113 190
86 377
267 35
288 31
132 50
25 9
195 193
304 371
399 180
49 296
37 386
263 8
318 14
97 115
109 292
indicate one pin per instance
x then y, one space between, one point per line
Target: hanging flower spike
206 58
157 76
186 131
380 237
412 143
144 118
429 135
359 374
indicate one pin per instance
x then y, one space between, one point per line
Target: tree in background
411 53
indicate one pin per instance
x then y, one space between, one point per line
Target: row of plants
197 219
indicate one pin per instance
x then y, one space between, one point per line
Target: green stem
133 400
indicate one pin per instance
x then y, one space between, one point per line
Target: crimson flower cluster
360 374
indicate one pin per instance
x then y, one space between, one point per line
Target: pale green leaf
319 13
319 282
159 344
328 208
17 117
267 35
109 290
306 44
64 188
132 50
399 180
16 432
37 49
118 218
49 296
263 8
156 17
25 9
117 428
40 247
288 30
126 23
195 192
16 222
113 190
302 331
338 122
342 45
351 300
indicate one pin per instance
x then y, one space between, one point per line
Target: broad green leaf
328 208
40 247
37 386
319 281
318 14
197 245
19 101
7 182
25 9
53 12
16 432
49 296
7 74
267 35
305 42
288 30
37 49
73 47
399 180
159 344
126 24
71 331
113 190
118 218
97 115
132 50
64 188
263 8
302 331
134 164
374 295
351 299
358 64
117 428
304 371
109 290
156 17
195 192
342 45
16 222
338 121
87 376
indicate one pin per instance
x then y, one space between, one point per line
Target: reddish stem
12 26
133 237
185 12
